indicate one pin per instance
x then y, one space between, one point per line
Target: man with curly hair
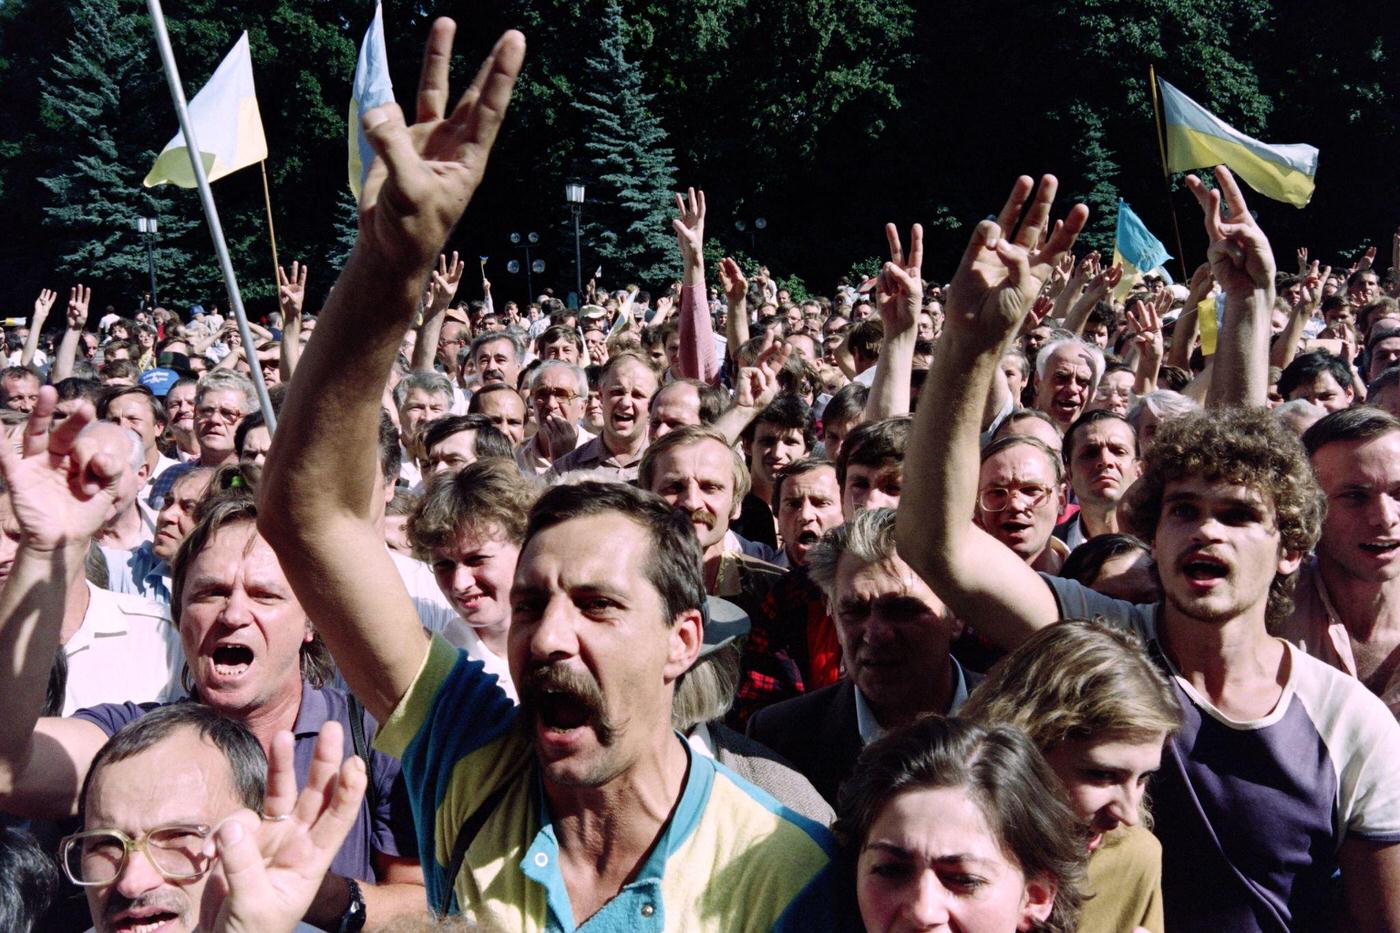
1282 774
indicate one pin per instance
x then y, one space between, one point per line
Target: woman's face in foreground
931 862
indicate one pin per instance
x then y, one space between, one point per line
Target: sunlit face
216 417
698 479
1011 367
1065 388
474 573
176 517
586 612
179 407
674 406
871 487
496 363
892 630
1105 778
931 862
1217 549
1104 461
561 349
625 396
240 623
453 452
774 447
1114 393
1028 518
135 412
556 393
1366 288
256 443
506 411
1361 530
1324 390
182 779
451 339
596 343
21 392
419 407
809 507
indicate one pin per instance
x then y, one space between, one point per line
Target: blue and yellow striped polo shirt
730 858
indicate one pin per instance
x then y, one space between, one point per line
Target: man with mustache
894 633
582 811
496 356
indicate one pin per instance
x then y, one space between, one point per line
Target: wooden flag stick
1166 176
271 230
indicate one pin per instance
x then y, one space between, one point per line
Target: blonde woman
1098 709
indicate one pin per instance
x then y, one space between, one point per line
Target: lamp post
573 194
759 223
526 242
148 227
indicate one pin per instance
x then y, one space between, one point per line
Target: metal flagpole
211 213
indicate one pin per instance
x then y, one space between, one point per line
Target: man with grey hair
496 357
1299 414
421 397
895 634
558 393
221 400
1066 373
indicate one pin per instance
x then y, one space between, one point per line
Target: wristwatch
353 920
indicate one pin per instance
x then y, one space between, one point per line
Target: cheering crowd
1039 600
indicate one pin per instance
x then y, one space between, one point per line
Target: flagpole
211 212
271 230
1166 176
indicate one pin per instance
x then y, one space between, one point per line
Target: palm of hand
984 296
50 504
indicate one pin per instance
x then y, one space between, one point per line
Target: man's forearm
64 356
697 356
889 390
425 347
736 327
1242 353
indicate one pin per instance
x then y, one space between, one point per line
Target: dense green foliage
827 117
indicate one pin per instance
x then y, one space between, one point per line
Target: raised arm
321 471
981 580
1243 263
698 357
1286 346
42 306
442 288
736 299
61 492
1145 321
78 300
1100 285
899 296
291 295
1080 275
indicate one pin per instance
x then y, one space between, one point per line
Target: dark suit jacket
816 732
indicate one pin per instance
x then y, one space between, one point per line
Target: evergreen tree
632 170
93 98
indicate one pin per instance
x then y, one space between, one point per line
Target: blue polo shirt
388 831
730 856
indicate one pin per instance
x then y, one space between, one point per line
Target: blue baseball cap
159 380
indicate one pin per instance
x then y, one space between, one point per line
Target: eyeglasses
227 414
100 856
997 498
563 396
1105 392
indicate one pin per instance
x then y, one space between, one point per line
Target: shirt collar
313 713
870 729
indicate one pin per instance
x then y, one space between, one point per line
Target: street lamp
573 194
759 223
148 227
526 242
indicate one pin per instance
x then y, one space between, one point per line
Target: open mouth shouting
1381 549
230 662
1204 571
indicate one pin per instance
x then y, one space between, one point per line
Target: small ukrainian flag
1135 249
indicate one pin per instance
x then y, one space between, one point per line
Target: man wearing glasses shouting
558 391
1019 495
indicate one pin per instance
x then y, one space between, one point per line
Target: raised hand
1040 310
1201 283
899 289
1145 322
732 281
43 304
273 868
1310 290
1240 256
1302 260
690 232
78 300
443 283
426 174
1002 269
1367 259
291 291
65 484
1105 282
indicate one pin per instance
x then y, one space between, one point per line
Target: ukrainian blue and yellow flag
227 126
1197 138
1135 249
372 88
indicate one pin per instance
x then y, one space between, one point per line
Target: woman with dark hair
946 822
1099 710
1115 565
